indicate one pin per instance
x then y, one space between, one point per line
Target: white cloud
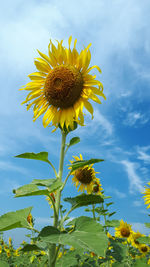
137 203
142 155
7 166
134 118
8 185
135 182
116 192
136 226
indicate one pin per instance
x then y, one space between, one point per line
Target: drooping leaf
51 184
81 163
33 190
43 156
17 219
88 235
74 141
84 200
29 190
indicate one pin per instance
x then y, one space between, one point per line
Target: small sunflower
62 85
144 249
124 230
134 242
147 196
30 219
48 198
85 178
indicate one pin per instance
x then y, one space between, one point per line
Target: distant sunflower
147 196
85 178
124 231
134 239
62 85
144 249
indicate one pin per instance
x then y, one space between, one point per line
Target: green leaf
29 190
144 239
147 225
113 223
83 200
88 235
111 214
17 219
81 163
74 141
4 264
69 260
30 247
51 184
33 190
110 203
43 156
140 263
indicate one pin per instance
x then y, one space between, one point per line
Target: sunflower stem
93 211
52 248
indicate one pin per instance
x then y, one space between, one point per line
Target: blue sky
120 35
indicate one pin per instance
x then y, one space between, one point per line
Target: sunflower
124 231
62 85
147 196
48 198
144 249
30 219
85 178
135 235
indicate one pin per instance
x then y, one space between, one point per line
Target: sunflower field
59 91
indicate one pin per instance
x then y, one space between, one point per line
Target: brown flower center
144 249
95 188
84 175
63 86
125 232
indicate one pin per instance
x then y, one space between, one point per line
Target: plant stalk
52 248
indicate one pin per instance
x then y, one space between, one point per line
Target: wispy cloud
135 182
143 155
134 118
116 192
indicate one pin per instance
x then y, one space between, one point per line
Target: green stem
52 248
53 168
93 211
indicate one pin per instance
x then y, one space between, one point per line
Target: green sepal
84 200
81 163
15 219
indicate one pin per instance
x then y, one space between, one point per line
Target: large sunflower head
147 196
124 230
84 178
63 85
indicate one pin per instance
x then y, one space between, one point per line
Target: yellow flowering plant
60 90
